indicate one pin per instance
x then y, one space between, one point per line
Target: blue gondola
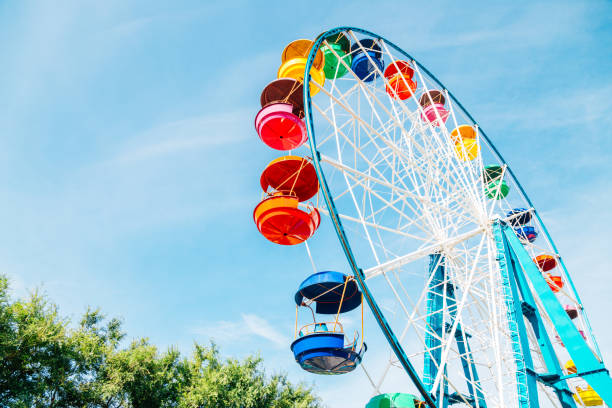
325 353
520 216
322 348
526 233
326 288
365 64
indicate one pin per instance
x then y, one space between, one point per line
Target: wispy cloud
466 25
243 330
565 107
181 16
262 328
183 135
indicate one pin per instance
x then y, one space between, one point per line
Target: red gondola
545 262
291 175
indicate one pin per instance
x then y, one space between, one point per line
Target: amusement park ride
428 213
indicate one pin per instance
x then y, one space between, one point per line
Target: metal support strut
440 289
518 271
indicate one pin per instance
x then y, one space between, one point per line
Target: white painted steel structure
403 193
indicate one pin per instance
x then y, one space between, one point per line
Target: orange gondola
554 282
463 132
401 85
279 219
545 262
291 175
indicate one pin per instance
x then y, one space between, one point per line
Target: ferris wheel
441 241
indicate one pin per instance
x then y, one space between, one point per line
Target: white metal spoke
404 190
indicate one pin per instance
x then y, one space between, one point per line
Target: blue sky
129 165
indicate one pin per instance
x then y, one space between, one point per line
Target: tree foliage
45 362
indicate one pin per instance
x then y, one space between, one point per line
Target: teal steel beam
468 364
439 288
435 329
585 360
391 338
526 378
533 317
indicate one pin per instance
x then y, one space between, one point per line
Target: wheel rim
474 208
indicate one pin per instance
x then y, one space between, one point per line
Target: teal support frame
526 377
439 289
528 305
518 270
435 326
598 377
467 362
469 368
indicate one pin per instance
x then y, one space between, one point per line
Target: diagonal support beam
435 307
439 291
531 313
526 379
596 375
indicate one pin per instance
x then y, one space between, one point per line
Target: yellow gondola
293 64
587 397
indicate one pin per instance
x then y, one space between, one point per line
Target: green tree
44 362
143 376
233 383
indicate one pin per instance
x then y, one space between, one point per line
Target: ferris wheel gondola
324 347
